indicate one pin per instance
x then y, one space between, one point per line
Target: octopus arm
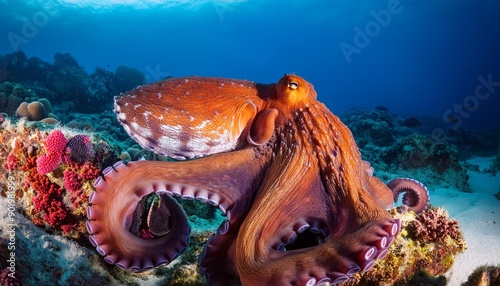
415 194
379 191
225 180
298 248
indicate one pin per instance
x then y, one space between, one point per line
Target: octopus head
294 90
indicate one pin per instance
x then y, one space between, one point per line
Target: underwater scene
237 142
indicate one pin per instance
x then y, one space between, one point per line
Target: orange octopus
302 207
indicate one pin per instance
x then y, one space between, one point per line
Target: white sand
479 217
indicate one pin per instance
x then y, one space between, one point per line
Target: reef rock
373 127
427 160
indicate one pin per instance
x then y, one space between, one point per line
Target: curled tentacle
118 210
113 217
416 195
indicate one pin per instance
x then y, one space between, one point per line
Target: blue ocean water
422 58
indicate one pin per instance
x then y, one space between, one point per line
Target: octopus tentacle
316 234
214 179
216 262
416 195
379 191
110 216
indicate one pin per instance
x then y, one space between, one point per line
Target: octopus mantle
302 207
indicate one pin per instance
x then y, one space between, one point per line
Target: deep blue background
423 61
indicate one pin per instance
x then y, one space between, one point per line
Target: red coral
433 225
48 200
72 181
75 176
15 156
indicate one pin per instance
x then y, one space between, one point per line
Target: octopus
301 207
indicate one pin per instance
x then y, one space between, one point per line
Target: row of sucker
362 262
156 210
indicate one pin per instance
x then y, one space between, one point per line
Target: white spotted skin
187 118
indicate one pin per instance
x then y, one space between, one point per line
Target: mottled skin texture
285 170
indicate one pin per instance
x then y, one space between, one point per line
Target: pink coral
11 162
72 181
54 145
47 163
55 142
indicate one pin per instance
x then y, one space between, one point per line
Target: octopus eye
293 85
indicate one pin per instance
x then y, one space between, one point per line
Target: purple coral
8 278
80 149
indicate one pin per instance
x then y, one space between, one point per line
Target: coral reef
432 163
55 175
419 151
409 254
38 110
126 78
11 96
474 143
374 127
56 202
434 225
63 82
412 122
24 102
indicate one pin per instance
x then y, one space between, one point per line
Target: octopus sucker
301 206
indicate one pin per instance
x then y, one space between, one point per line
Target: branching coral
48 204
434 225
78 179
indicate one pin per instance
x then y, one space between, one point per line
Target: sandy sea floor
479 216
